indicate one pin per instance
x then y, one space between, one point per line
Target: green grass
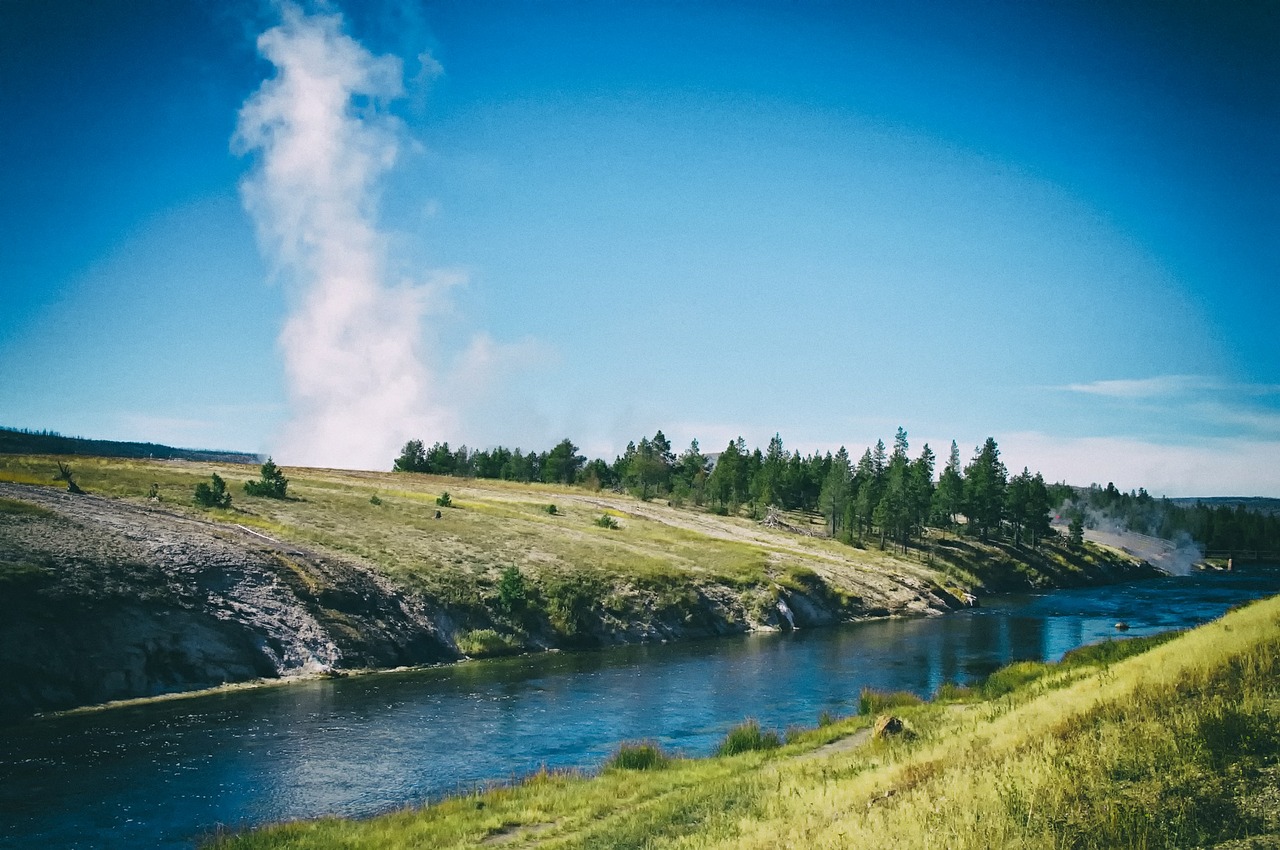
746 737
660 551
17 507
642 755
871 701
487 643
1140 743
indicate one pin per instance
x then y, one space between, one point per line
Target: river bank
1174 746
121 595
167 773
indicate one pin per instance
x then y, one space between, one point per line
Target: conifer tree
984 485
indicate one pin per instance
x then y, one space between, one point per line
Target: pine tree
1038 511
984 485
950 497
921 489
272 484
563 463
413 458
720 484
835 490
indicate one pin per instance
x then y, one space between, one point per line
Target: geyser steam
352 344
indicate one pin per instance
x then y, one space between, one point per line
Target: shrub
643 755
374 500
271 485
746 737
572 605
551 509
443 500
606 521
871 701
512 593
213 494
486 642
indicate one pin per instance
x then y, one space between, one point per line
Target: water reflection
160 775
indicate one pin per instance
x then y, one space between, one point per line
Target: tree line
1217 528
886 496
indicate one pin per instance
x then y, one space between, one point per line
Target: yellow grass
1176 747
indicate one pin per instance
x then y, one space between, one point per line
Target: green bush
643 755
512 593
746 737
213 494
606 521
374 500
572 605
272 484
482 643
443 500
551 509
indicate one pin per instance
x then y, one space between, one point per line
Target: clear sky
321 230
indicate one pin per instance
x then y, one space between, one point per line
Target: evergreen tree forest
888 496
1224 529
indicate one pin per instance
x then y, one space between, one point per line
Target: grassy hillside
582 580
1177 746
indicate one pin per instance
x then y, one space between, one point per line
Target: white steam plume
357 380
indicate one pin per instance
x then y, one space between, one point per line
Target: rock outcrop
102 599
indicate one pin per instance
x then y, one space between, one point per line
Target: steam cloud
357 377
1177 557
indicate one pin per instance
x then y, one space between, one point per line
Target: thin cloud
1142 388
1209 467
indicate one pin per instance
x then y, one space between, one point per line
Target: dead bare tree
65 474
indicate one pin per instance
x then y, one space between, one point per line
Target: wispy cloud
1159 386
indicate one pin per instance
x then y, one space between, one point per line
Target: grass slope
1176 746
661 567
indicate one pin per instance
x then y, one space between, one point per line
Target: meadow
522 566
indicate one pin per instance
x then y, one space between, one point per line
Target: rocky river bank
105 599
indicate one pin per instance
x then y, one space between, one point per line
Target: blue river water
168 773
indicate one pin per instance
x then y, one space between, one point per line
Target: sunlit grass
1170 747
658 559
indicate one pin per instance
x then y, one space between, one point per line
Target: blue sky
1052 223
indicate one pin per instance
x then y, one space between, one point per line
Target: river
166 773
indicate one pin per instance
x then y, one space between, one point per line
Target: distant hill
22 441
1255 504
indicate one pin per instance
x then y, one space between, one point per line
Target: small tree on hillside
214 494
272 484
413 458
1075 531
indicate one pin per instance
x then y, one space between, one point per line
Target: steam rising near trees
886 497
321 136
